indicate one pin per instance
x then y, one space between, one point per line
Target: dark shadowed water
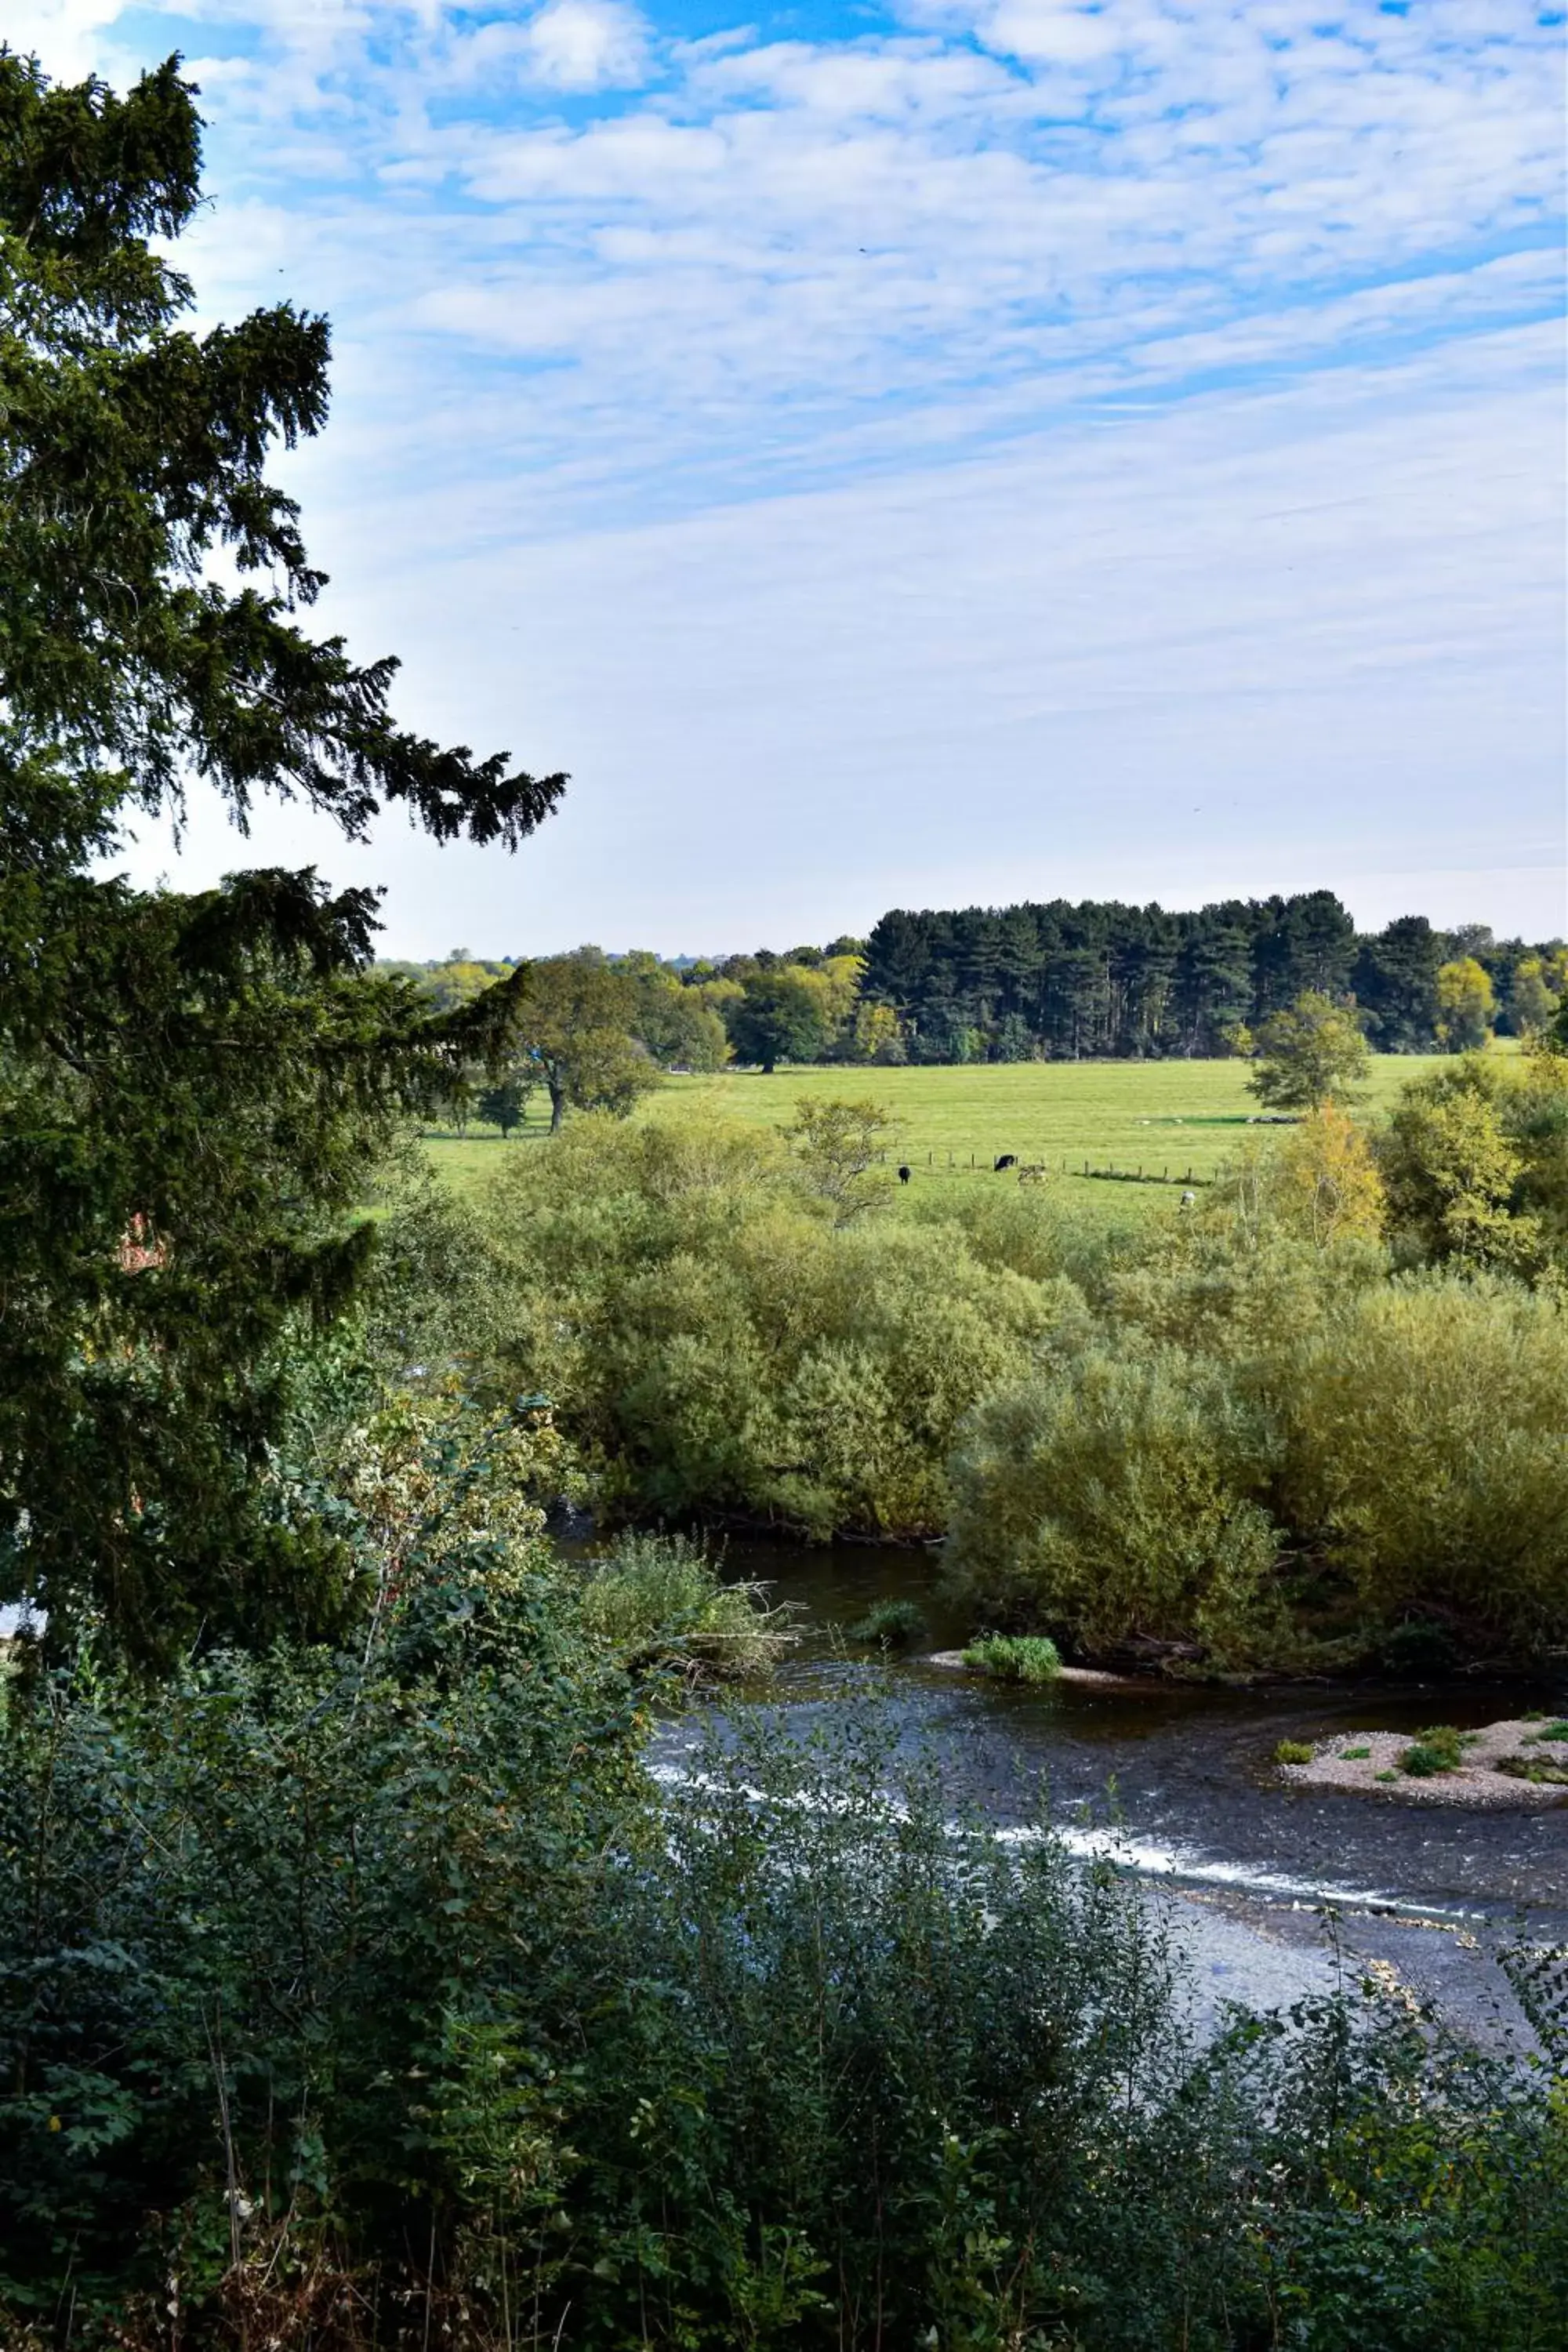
1184 1772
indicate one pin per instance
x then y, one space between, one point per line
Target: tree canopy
191 1088
574 1016
1308 1054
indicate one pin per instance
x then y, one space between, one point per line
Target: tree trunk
557 1106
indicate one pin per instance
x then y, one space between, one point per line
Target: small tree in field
837 1144
505 1104
1307 1053
574 1022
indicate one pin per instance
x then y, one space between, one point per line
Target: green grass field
1157 1116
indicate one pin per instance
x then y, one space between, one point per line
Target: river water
1179 1778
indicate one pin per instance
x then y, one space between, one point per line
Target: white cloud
582 44
1265 641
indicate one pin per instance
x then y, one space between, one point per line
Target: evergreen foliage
192 1090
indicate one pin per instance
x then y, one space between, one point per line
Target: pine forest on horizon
1095 979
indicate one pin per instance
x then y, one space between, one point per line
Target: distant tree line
1064 982
1105 980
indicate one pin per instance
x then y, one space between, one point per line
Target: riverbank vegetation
1277 1430
353 2000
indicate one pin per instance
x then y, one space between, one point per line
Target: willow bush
1426 1437
720 1344
1281 1491
1111 1500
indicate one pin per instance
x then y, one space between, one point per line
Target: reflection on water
1185 1770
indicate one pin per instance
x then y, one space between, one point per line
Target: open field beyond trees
956 1121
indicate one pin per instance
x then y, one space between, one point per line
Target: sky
952 452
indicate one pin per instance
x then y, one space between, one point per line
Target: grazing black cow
903 1175
1009 1160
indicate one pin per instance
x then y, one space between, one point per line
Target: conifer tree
191 1088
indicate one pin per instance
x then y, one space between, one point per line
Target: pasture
1159 1116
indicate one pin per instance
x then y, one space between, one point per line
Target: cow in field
1009 1160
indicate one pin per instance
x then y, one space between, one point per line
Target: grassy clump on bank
1031 1658
660 1601
897 1625
1439 1749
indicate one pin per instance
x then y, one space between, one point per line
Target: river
1179 1779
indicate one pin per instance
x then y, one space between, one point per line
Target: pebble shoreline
1474 1780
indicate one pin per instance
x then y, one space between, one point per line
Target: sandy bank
955 1662
1369 1763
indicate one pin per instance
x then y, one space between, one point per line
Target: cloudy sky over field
972 449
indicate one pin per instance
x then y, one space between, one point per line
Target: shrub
659 1600
1439 1749
1015 1657
1111 1500
1424 1433
1296 1752
900 1623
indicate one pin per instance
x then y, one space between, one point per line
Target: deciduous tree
836 1145
574 1016
1306 1055
1465 1005
781 1017
1533 999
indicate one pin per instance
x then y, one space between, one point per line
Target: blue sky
968 450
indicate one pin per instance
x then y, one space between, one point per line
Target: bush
1015 1657
1475 1158
719 1347
901 1624
1296 1752
1423 1435
659 1600
1111 1501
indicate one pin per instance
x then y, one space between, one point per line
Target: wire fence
1011 1163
